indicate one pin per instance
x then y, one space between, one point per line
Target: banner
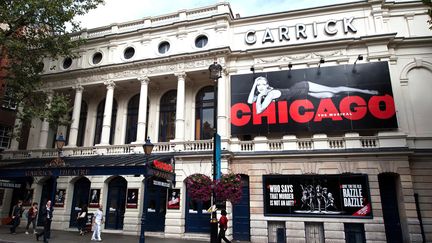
335 98
317 195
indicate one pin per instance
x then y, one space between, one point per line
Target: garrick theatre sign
336 98
331 27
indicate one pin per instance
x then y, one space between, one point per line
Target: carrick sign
300 30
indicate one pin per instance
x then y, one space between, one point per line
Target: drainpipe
419 216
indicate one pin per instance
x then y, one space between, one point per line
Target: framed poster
2 192
317 195
132 198
28 198
94 198
59 199
173 199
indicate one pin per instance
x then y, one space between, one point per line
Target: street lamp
60 142
215 73
148 148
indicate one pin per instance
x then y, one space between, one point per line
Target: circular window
97 58
201 41
129 52
164 47
67 62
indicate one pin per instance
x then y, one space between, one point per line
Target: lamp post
148 148
215 73
60 142
57 162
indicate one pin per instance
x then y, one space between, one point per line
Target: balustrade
260 145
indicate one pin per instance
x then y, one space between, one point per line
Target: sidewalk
73 237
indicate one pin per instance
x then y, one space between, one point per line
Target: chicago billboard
335 98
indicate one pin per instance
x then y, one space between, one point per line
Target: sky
118 11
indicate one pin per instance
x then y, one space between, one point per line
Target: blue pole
144 211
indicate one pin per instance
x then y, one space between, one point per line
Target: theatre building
324 112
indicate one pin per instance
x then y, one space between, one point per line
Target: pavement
73 236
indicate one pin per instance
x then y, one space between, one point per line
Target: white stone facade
397 33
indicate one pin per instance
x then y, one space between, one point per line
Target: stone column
222 108
43 139
106 125
180 107
73 132
142 112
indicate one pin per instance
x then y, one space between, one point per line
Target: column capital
78 88
180 75
144 80
110 84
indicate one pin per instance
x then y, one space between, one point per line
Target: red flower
228 188
199 187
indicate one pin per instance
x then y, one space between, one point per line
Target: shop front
83 188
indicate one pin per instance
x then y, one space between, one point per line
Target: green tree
30 31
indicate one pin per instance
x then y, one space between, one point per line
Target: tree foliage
31 30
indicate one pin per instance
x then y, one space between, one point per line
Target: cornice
133 70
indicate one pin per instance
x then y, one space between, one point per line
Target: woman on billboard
263 94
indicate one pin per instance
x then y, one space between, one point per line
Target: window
314 232
81 125
354 233
67 62
132 119
129 53
276 231
201 41
164 47
99 122
8 100
204 112
97 58
5 136
167 116
24 135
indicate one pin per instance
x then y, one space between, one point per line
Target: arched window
204 108
132 119
167 116
99 122
81 126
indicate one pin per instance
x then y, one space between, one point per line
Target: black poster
335 98
317 195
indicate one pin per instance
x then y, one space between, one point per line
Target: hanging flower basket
229 188
199 187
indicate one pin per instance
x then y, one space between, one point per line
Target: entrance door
241 214
24 193
47 194
197 217
116 201
80 197
389 201
156 207
314 232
